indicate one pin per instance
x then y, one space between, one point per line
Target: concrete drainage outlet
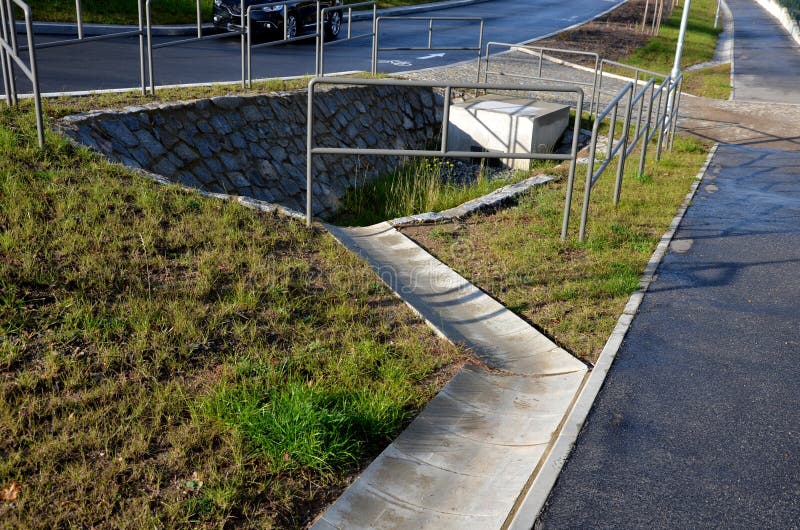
255 146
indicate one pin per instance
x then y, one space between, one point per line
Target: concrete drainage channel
465 461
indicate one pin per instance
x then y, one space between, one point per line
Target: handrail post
376 22
594 87
675 107
5 60
480 54
142 78
199 21
661 121
446 117
150 67
243 43
249 47
374 38
319 29
588 190
612 131
624 149
576 131
645 139
599 87
309 150
319 45
79 18
37 97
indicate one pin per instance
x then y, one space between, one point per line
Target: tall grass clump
422 185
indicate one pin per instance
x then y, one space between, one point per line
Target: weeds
422 185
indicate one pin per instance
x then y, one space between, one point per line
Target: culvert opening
255 146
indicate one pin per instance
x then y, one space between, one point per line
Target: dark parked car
268 20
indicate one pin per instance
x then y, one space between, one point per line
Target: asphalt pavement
697 425
114 64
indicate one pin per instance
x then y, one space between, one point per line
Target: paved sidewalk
697 425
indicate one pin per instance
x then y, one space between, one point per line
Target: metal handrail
285 40
312 150
321 41
664 121
115 35
541 55
200 37
430 20
638 75
9 52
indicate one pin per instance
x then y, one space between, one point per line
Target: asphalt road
697 424
115 64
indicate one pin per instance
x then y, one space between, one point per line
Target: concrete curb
182 30
534 500
490 200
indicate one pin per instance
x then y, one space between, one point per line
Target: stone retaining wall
256 145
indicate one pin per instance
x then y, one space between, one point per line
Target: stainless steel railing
284 5
664 100
313 150
200 37
540 53
350 37
376 47
10 54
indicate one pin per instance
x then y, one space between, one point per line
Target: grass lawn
713 82
124 11
168 360
701 39
574 292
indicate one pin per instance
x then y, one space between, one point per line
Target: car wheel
333 26
291 26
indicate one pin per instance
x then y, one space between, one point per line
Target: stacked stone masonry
255 146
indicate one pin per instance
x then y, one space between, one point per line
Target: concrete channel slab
453 306
467 458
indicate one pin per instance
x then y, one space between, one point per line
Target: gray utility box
506 124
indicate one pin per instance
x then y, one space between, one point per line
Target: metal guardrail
376 48
200 37
350 37
443 151
538 51
638 75
81 38
664 98
9 54
284 7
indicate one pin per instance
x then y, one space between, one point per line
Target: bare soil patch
614 36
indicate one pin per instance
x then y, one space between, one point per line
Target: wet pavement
697 423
